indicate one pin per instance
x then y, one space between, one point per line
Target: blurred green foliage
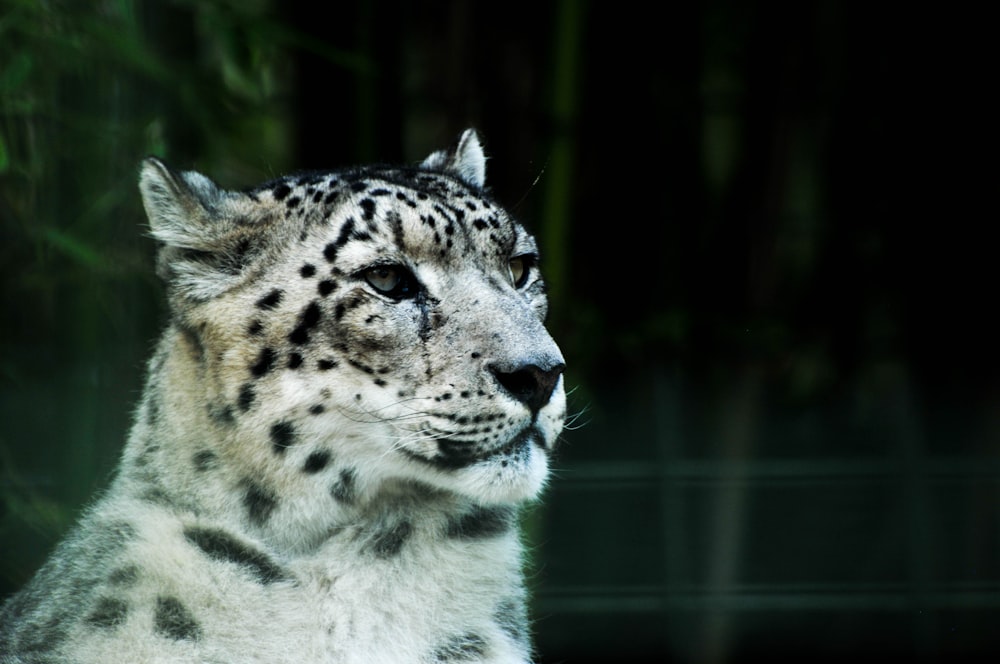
86 90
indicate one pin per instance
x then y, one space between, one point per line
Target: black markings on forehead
258 501
293 202
264 363
173 620
271 300
282 436
388 542
307 270
294 361
223 547
396 224
467 647
481 523
310 178
307 320
345 234
109 612
281 191
359 186
367 209
326 364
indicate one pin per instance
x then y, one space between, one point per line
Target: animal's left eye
520 269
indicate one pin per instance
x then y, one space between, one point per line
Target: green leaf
75 249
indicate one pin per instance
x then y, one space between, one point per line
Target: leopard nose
530 384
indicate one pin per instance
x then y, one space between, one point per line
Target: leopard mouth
456 453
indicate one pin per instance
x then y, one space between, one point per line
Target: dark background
768 233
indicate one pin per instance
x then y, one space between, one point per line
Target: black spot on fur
247 395
223 547
205 460
264 363
258 501
124 577
326 287
331 197
307 270
344 490
222 414
330 252
317 409
367 209
282 436
174 621
389 542
362 367
307 320
294 361
346 231
281 191
109 612
359 186
158 496
326 365
271 300
293 202
316 461
255 328
462 648
396 224
481 523
512 618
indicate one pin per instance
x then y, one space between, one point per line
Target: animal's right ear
206 242
179 205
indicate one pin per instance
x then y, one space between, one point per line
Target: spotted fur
354 395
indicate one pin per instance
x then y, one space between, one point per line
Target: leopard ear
465 160
205 242
179 206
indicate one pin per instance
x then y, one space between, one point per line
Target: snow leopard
354 397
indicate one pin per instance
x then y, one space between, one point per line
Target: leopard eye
392 280
520 269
